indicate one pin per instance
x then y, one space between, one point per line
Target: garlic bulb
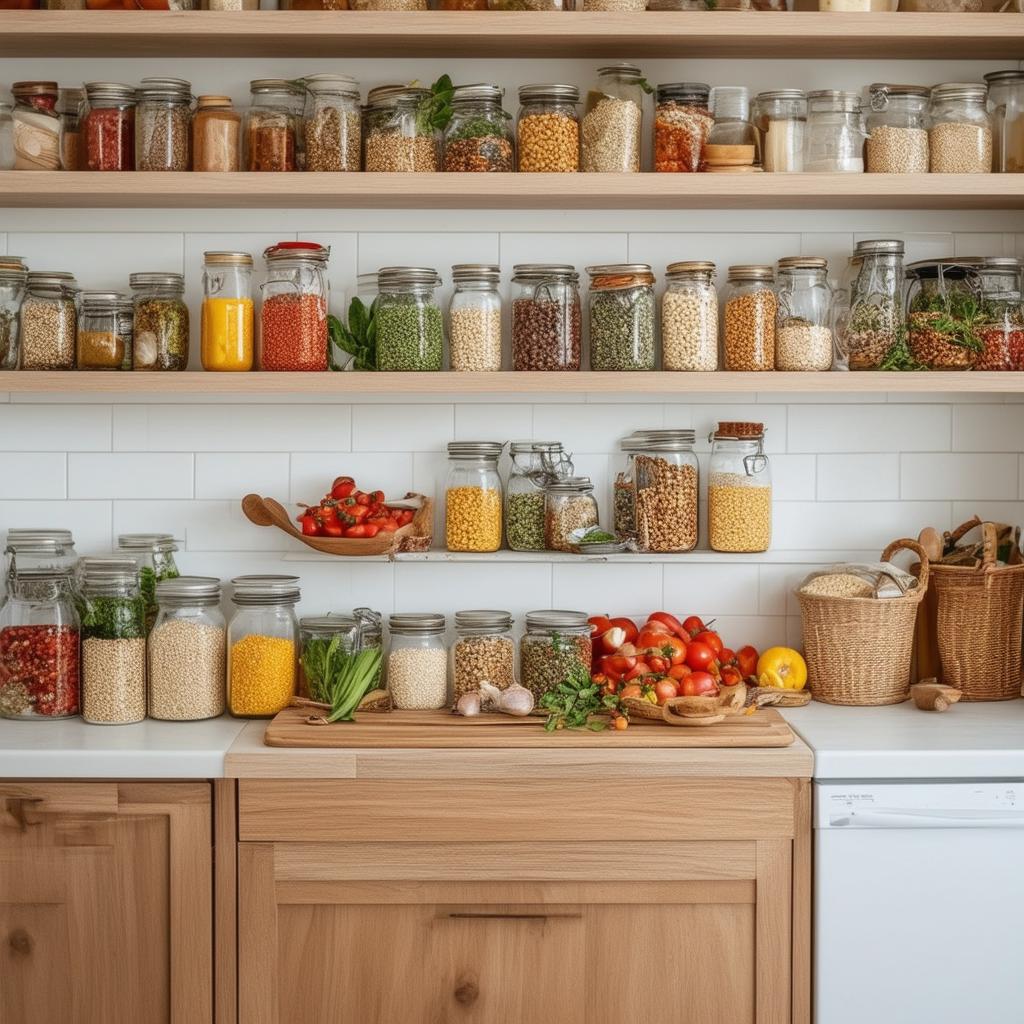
468 704
515 700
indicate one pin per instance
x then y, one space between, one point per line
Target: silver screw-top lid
391 278
475 449
156 279
187 588
571 485
157 542
535 272
975 91
417 623
539 93
878 247
265 590
556 618
479 93
751 272
342 85
803 263
483 619
463 272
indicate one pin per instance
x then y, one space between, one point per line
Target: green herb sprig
357 337
337 677
435 111
575 700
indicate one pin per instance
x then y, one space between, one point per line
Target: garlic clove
468 704
516 700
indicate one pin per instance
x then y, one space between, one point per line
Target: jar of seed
780 118
160 340
227 313
397 134
101 343
332 130
163 116
944 313
483 651
418 661
293 316
739 489
534 465
35 126
624 488
750 308
13 282
474 318
49 321
548 128
108 127
153 554
271 125
689 317
329 641
682 124
410 332
897 129
803 326
960 129
546 318
873 325
569 505
216 135
621 308
479 137
473 500
667 476
554 648
613 120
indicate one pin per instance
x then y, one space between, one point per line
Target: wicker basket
859 649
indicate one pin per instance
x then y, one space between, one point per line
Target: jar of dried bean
835 132
479 136
227 312
1002 316
944 313
871 329
418 661
101 343
803 325
153 554
667 486
689 317
13 282
474 318
780 118
621 308
270 125
682 123
748 338
293 317
546 318
612 121
534 465
49 321
108 127
35 126
410 332
216 135
569 506
163 115
332 130
960 129
483 651
327 642
897 131
397 133
160 339
548 128
555 646
69 107
1006 103
473 501
739 489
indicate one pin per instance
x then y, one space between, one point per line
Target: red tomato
726 656
641 668
407 515
746 660
617 663
657 626
359 530
343 487
693 625
674 625
731 676
333 529
697 684
713 640
362 498
658 664
699 656
372 529
665 690
599 624
387 526
674 649
632 690
629 626
310 527
678 672
359 511
649 640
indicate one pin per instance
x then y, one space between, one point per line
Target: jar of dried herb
161 322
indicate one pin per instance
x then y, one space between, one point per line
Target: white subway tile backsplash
37 428
117 475
501 422
234 474
596 428
874 428
859 478
708 590
89 521
517 588
200 525
958 477
984 428
33 475
612 588
793 477
856 524
403 428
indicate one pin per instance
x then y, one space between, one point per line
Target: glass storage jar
803 326
126 329
473 500
163 115
108 127
49 321
689 317
667 488
293 315
410 331
35 126
101 343
187 652
546 317
960 129
479 137
732 144
780 118
897 140
682 124
6 138
396 137
483 651
13 281
534 465
417 662
153 554
160 339
624 488
351 634
332 127
1002 316
944 313
569 505
871 328
548 128
227 313
474 318
621 308
1006 103
28 550
834 142
748 339
270 125
739 489
216 135
68 108
613 121
556 644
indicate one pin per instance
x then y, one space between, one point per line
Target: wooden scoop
931 695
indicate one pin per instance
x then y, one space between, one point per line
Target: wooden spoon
255 511
931 540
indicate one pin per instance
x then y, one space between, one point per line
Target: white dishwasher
919 902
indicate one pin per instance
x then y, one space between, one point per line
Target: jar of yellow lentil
262 645
473 520
227 315
739 489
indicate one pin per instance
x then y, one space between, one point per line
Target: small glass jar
187 651
943 313
534 465
613 121
556 644
29 550
1002 327
35 126
395 136
153 554
49 321
13 282
803 326
68 107
479 137
410 329
667 488
960 129
108 127
474 318
227 314
483 652
270 125
263 637
548 128
689 317
781 121
216 135
682 124
569 505
732 144
161 321
621 312
352 634
748 337
897 130
163 116
332 127
873 325
126 329
835 133
101 344
293 315
546 317
417 662
739 489
1006 103
473 499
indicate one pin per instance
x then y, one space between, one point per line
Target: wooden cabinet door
105 903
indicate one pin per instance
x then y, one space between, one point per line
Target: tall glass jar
153 554
332 128
293 316
473 500
474 318
689 317
187 653
13 281
682 124
161 321
750 307
556 644
1006 102
68 107
396 137
216 135
613 121
29 550
108 127
352 634
835 133
534 465
483 651
101 343
546 317
621 308
667 487
897 130
732 144
1002 328
6 138
163 116
624 488
418 661
781 120
270 125
410 330
739 489
569 505
873 325
35 126
960 129
228 313
49 321
944 313
803 326
548 128
479 137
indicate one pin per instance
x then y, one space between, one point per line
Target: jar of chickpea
739 489
548 130
750 310
689 317
473 500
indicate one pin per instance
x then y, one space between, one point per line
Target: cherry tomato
697 684
310 527
713 640
359 511
343 487
679 672
649 640
362 498
407 515
631 690
658 664
731 676
620 723
334 529
386 526
674 649
629 626
618 663
693 625
726 656
599 624
371 530
638 671
746 661
699 656
359 530
665 690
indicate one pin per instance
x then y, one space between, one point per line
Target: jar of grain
163 116
621 313
35 126
108 127
262 645
161 335
101 343
227 313
689 317
68 108
613 119
960 129
216 135
473 500
534 465
187 655
803 326
569 505
750 309
555 645
546 318
351 634
153 554
732 144
332 131
548 128
780 118
418 662
834 143
271 125
49 321
1006 102
944 313
667 486
474 318
739 489
682 123
871 328
13 281
396 138
1002 328
483 651
479 137
410 328
897 129
293 314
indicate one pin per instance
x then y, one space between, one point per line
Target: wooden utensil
931 695
926 648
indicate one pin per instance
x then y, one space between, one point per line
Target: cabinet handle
512 916
16 811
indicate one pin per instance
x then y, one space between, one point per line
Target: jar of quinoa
49 322
569 505
483 651
293 317
396 135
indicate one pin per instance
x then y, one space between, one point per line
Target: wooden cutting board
438 729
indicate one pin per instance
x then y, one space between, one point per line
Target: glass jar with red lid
293 318
108 128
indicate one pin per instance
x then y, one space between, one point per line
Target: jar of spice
163 115
781 118
13 281
739 489
667 477
897 134
293 317
153 554
398 136
534 465
835 133
479 136
803 326
1006 103
569 505
732 144
227 313
944 313
187 655
546 317
49 321
101 344
960 129
28 550
873 325
548 128
35 126
6 138
410 331
682 124
350 635
473 501
612 121
216 135
483 652
689 317
332 129
68 107
621 308
750 309
1002 327
555 646
263 639
108 127
270 125
474 318
417 662
161 321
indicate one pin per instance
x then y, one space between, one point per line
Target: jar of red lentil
293 319
108 127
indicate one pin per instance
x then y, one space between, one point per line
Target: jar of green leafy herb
479 136
555 644
534 465
160 339
945 313
153 554
621 304
410 332
870 333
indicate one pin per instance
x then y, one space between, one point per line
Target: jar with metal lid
569 505
35 126
613 121
410 329
682 124
624 488
479 137
332 126
483 652
748 338
216 135
163 115
667 486
271 124
13 282
28 550
548 128
689 317
1006 104
780 118
473 499
534 465
187 651
474 318
397 137
555 647
293 315
871 329
959 129
153 554
418 661
732 144
803 326
1002 327
108 127
944 313
330 643
621 310
897 140
546 317
101 341
161 321
69 110
227 313
835 136
739 489
49 321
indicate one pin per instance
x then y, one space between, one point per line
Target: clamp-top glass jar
546 317
483 651
13 282
271 125
49 321
479 137
418 661
548 128
835 133
689 317
153 554
474 318
624 487
160 340
1002 327
35 126
960 129
227 314
396 137
613 121
667 486
534 465
682 124
293 316
556 644
781 119
28 550
353 633
102 342
803 329
897 129
1006 102
332 125
163 122
944 313
870 328
739 489
410 328
621 307
750 304
473 501
569 505
108 127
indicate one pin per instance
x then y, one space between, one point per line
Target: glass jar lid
211 101
51 279
974 91
156 279
343 85
689 268
28 539
478 93
730 102
534 447
227 259
44 573
538 93
483 618
158 543
1003 77
751 272
331 621
417 623
24 90
384 96
265 590
1001 265
683 443
835 101
311 252
612 270
556 618
12 270
261 86
462 272
878 247
678 91
956 268
570 485
200 589
159 88
780 95
100 301
395 278
734 430
109 91
100 572
881 92
621 69
475 449
803 263
532 273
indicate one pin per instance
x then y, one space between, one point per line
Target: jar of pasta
689 317
101 345
270 125
569 506
548 128
621 306
293 317
739 489
160 340
396 135
227 312
473 500
49 321
750 307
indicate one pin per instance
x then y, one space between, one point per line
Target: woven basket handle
952 536
911 545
